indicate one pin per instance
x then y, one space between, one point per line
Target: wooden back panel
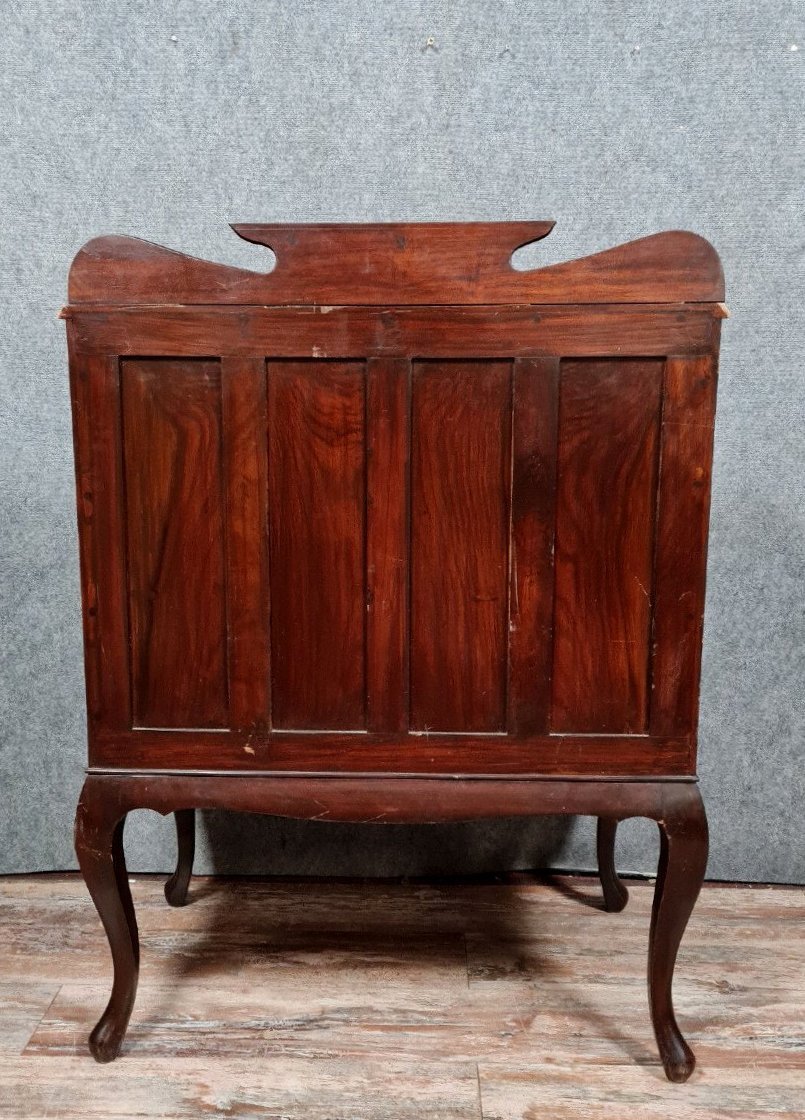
454 523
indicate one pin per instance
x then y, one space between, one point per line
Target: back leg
615 893
176 886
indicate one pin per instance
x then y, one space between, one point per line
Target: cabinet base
675 805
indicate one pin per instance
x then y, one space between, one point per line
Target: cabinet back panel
316 518
461 470
395 506
171 417
470 563
609 423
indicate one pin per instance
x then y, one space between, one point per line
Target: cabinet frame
383 307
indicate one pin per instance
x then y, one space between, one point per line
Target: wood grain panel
175 537
316 516
684 507
535 414
461 440
606 499
245 466
388 431
95 392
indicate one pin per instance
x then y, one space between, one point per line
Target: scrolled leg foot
176 886
106 1039
615 893
683 861
99 848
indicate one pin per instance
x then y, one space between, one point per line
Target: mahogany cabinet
394 532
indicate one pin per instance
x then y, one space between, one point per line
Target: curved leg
176 886
683 860
99 847
615 893
676 806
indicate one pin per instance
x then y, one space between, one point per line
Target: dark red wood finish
172 465
397 511
460 485
608 440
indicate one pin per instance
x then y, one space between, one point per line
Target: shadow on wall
250 844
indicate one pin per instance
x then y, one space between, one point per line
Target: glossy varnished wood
394 532
424 752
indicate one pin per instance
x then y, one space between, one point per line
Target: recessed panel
175 541
316 517
460 484
609 414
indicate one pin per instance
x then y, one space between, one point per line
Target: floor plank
22 1006
277 1088
558 1093
330 1000
497 1023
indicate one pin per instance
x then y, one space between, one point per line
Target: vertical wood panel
534 435
388 427
460 484
683 515
243 394
317 498
175 537
608 443
95 385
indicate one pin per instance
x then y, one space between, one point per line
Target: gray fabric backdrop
617 119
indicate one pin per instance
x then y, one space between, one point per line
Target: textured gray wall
617 119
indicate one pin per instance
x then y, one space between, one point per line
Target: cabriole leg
615 893
683 860
176 886
99 847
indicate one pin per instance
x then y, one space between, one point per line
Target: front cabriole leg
683 860
99 848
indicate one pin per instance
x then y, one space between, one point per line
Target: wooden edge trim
374 775
385 800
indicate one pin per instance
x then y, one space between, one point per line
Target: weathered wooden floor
326 1001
